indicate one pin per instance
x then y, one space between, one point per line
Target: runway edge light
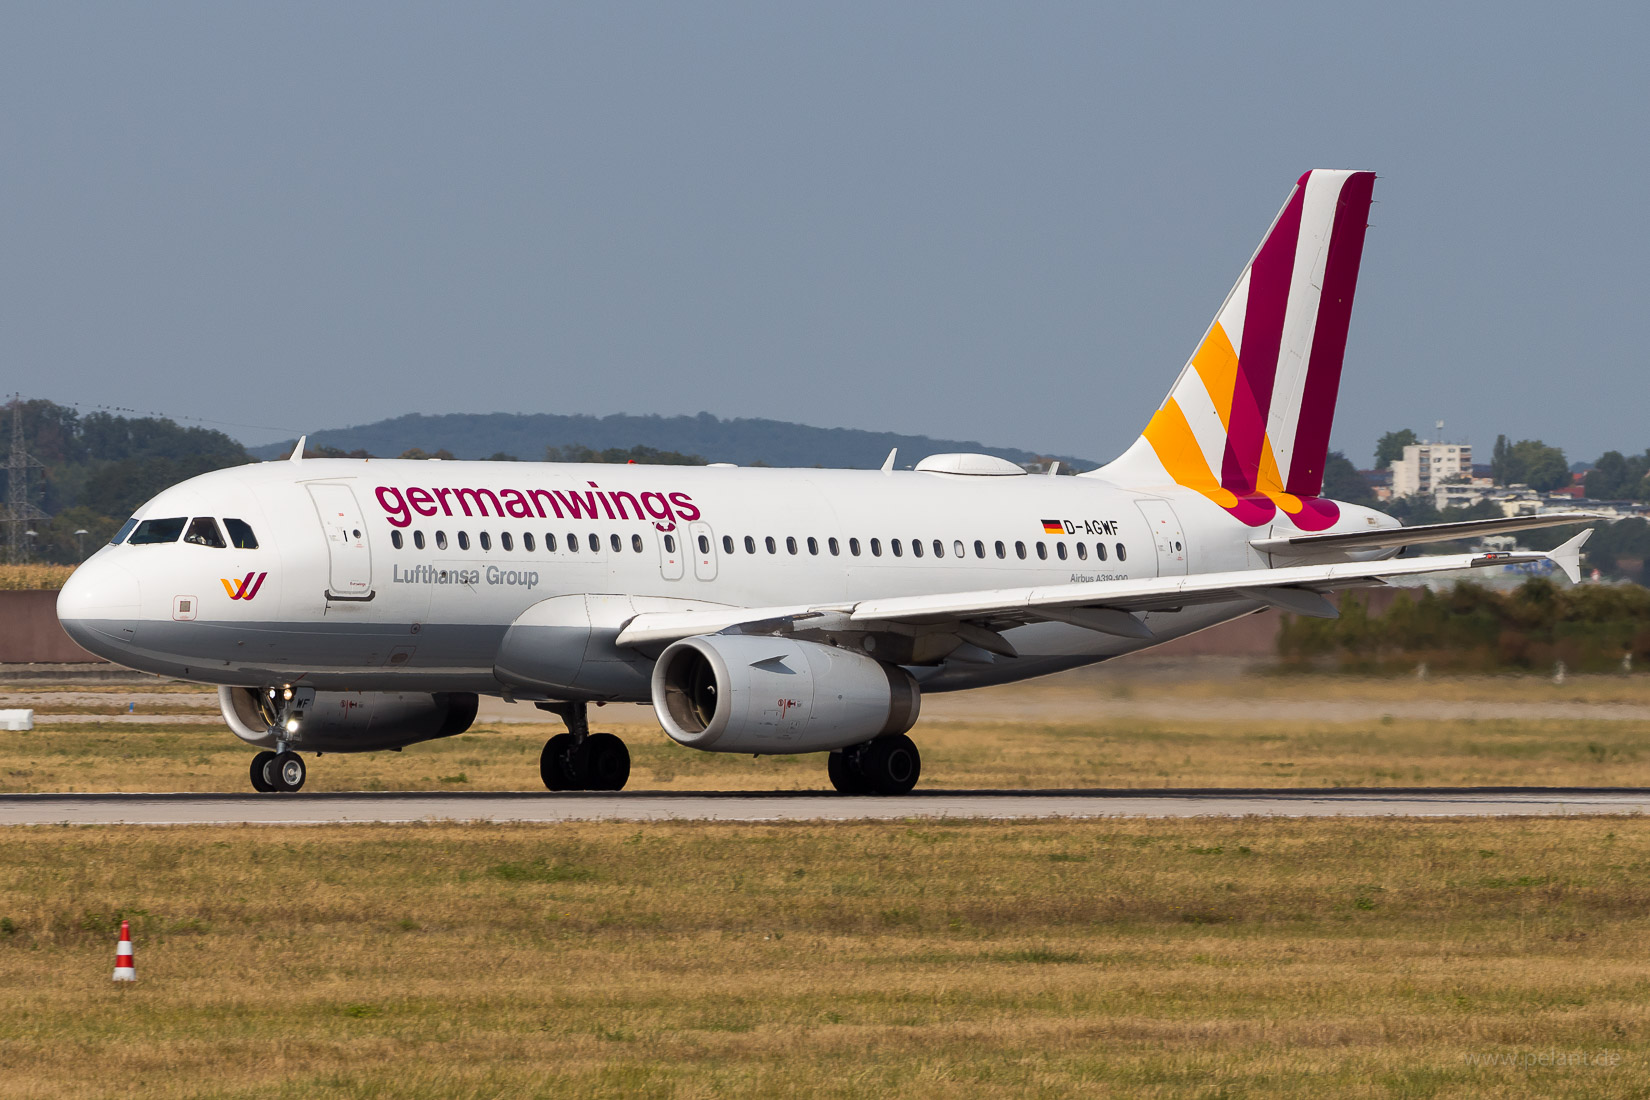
124 970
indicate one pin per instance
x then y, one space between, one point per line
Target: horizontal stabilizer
1568 556
1389 537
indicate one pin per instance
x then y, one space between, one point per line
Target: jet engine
347 721
760 694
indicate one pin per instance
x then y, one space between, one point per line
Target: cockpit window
158 530
240 534
125 529
203 531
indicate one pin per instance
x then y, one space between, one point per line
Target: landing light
286 693
292 725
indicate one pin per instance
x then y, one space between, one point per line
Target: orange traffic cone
124 970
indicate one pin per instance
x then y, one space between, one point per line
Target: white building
1425 465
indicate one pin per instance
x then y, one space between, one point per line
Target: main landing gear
579 760
278 771
887 765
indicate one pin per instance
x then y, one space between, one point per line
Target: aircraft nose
99 605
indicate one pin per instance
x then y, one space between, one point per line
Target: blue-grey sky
1005 222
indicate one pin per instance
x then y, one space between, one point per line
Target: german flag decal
1053 527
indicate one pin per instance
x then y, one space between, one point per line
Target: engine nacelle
351 721
760 694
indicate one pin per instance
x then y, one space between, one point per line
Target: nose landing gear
579 760
282 770
278 771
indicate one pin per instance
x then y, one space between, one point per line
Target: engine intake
351 721
761 694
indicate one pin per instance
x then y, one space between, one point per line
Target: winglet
1568 556
888 463
298 451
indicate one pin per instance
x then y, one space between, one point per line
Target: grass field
1077 733
1210 958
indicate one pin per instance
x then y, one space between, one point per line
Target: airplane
345 605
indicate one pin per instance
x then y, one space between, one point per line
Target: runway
541 806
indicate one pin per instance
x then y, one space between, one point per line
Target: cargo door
702 544
350 558
1166 537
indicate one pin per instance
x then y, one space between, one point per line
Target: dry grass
14 577
1379 752
1257 958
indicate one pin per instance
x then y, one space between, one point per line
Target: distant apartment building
1425 466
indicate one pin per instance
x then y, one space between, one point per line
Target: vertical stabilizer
1247 422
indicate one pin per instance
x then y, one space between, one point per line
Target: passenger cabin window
704 543
158 530
1122 552
899 551
395 539
1082 551
572 542
636 543
1060 549
750 545
670 544
241 536
1099 551
441 540
853 547
616 542
203 531
418 539
549 543
505 542
486 541
125 529
813 545
836 547
876 548
527 541
464 540
1002 551
727 544
790 543
1042 551
916 548
773 547
979 549
1020 549
595 544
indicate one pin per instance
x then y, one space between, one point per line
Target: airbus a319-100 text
351 606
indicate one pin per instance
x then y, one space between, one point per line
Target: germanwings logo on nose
245 588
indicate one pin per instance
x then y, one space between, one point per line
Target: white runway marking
340 808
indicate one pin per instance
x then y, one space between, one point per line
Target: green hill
742 441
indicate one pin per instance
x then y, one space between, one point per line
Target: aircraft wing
1106 606
1387 537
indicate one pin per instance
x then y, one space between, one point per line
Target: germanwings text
663 510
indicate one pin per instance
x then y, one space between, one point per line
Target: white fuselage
329 599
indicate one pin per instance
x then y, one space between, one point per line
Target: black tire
261 781
891 765
604 763
287 772
844 773
556 764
